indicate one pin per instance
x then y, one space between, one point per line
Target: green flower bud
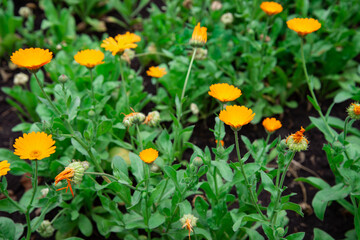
152 119
280 231
78 171
63 78
91 113
198 161
45 229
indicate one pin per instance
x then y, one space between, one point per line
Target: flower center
35 154
356 109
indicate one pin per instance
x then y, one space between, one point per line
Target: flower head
271 124
31 58
189 222
224 92
89 57
199 36
34 146
149 155
297 141
236 116
133 118
354 111
152 119
156 72
120 43
303 26
4 168
271 8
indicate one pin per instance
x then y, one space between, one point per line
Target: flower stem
27 213
123 84
266 143
345 133
263 45
92 87
139 137
147 178
187 75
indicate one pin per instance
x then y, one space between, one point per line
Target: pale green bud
78 171
45 229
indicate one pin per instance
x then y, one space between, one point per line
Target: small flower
25 12
297 142
89 58
4 168
236 116
34 146
156 72
45 229
303 26
194 108
216 5
31 58
271 124
199 36
152 119
149 155
271 8
120 43
133 118
224 92
74 172
189 222
354 111
227 18
21 79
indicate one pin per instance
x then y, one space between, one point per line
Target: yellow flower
224 92
271 8
120 43
34 146
31 58
236 116
89 58
149 155
271 124
303 26
4 167
199 36
156 72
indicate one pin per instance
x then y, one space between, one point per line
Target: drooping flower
4 168
89 58
271 124
120 43
189 222
236 116
354 111
34 146
199 36
224 92
303 26
297 141
149 155
271 8
156 72
31 58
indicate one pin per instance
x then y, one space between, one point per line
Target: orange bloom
149 155
156 72
67 174
236 116
271 8
4 168
271 124
189 222
298 136
224 92
89 58
31 58
120 43
199 36
303 26
356 108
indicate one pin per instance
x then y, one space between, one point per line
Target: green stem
92 88
139 137
263 46
356 216
266 143
245 177
187 75
27 213
147 179
123 84
155 53
345 133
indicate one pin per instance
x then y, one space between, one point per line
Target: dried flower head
45 229
25 12
189 222
89 58
120 43
271 124
271 8
236 116
31 58
4 168
34 146
354 111
224 92
297 141
227 18
303 26
199 36
149 155
156 72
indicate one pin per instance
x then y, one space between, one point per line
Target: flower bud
45 229
154 167
21 79
194 109
152 48
227 18
128 55
201 54
354 111
280 231
63 78
133 118
152 119
25 12
44 192
78 171
91 113
216 5
198 161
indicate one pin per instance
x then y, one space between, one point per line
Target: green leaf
85 225
316 106
7 229
201 207
224 170
296 236
137 166
170 171
268 183
316 182
321 235
156 220
293 207
104 127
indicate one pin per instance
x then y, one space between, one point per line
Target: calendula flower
199 36
156 72
133 118
297 141
354 111
271 124
31 58
224 92
74 172
271 8
303 26
236 116
149 155
152 119
120 43
89 57
34 146
189 222
4 168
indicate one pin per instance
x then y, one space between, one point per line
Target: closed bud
91 113
45 229
216 5
194 109
25 12
63 78
280 231
198 161
227 18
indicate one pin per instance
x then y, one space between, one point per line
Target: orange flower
67 174
149 155
189 222
297 141
303 26
354 111
31 58
271 8
236 116
298 136
4 168
156 72
89 58
120 43
271 124
199 36
74 172
224 92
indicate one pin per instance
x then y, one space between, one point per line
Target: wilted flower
45 229
297 141
271 8
4 168
189 222
152 119
271 124
199 36
227 18
89 58
25 12
120 43
149 155
156 72
216 5
236 116
31 58
354 111
224 92
194 109
21 79
133 118
303 26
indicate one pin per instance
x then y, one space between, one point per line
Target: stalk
27 213
123 83
187 75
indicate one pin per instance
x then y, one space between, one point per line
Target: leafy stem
27 213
